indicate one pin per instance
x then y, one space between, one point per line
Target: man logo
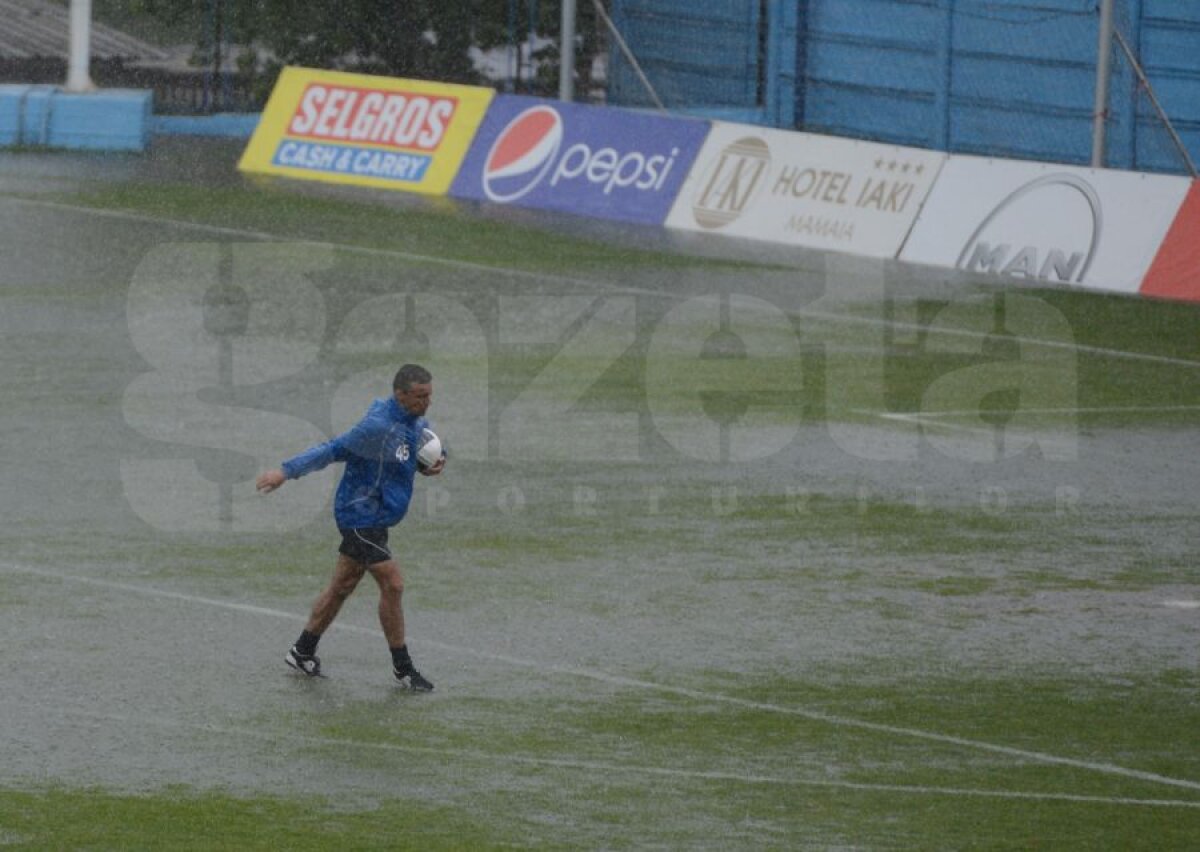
522 154
731 182
1049 229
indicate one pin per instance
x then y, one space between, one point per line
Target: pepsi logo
522 154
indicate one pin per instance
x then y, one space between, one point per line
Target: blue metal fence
732 59
1012 78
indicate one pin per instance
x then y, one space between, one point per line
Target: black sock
400 658
306 645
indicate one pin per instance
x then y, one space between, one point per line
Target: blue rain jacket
380 454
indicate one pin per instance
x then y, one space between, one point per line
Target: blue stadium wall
730 59
1012 78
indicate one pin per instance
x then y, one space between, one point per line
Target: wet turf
947 630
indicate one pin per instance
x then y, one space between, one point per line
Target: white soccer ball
429 450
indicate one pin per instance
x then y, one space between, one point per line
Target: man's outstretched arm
269 480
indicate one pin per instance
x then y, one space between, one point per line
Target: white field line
1109 409
589 283
926 420
266 236
848 319
933 418
592 766
618 680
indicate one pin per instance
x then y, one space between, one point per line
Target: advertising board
1045 222
591 161
367 131
805 190
1175 272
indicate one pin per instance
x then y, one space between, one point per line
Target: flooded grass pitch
817 554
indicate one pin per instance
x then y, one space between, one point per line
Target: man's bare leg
391 608
391 618
346 575
303 655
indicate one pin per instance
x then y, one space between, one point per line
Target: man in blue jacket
380 457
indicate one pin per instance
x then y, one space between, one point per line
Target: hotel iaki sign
806 190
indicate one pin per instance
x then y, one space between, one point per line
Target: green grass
181 818
436 229
843 372
784 675
1084 367
806 763
1169 329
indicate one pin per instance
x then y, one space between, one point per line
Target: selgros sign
805 190
592 161
1043 222
364 130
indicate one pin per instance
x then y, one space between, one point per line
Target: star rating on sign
882 164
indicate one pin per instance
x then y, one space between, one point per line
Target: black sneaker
306 664
410 678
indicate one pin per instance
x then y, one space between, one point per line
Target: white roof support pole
1103 75
566 53
78 76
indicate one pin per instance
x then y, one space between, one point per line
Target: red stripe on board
1175 272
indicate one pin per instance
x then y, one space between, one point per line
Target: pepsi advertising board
591 161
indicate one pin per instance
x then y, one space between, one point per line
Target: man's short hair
409 375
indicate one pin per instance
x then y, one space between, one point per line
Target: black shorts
367 545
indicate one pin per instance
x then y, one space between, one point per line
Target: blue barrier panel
46 116
38 116
16 124
592 161
106 120
14 100
228 124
